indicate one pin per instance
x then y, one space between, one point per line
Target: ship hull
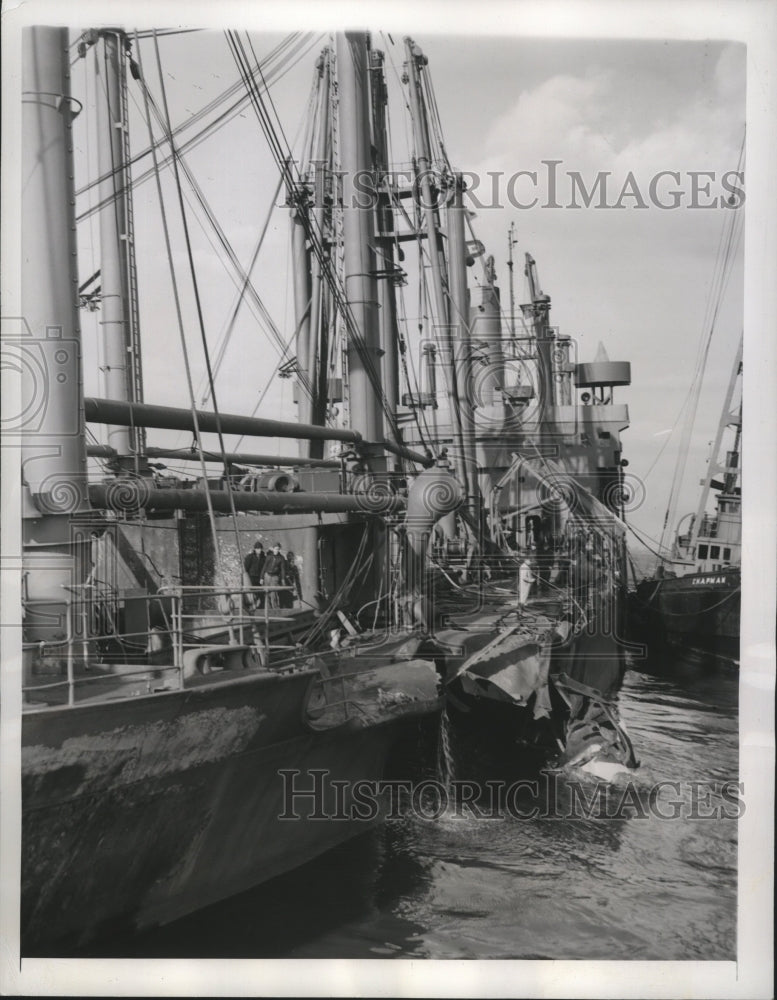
137 813
697 615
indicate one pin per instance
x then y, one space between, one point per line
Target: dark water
629 887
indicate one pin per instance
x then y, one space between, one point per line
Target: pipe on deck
110 411
127 495
233 457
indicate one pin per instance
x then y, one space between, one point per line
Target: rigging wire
287 348
303 377
641 540
224 340
240 275
206 132
182 334
727 250
198 305
343 591
689 395
203 112
161 32
424 434
223 343
284 162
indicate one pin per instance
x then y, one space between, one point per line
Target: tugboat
692 605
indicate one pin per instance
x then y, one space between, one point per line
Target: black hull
696 615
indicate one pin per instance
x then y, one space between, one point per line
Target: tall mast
511 241
316 361
543 338
462 348
361 289
300 254
309 242
488 386
118 321
387 270
53 446
730 469
415 59
308 225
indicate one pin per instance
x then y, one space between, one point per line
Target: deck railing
190 607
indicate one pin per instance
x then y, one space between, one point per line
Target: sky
640 280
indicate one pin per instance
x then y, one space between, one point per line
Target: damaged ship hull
136 818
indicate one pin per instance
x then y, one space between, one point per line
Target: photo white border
753 22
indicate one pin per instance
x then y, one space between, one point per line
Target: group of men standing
273 569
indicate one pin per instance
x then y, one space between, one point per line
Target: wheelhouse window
702 552
714 551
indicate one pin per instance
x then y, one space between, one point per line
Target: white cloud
639 279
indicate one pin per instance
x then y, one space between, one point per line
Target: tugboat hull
698 613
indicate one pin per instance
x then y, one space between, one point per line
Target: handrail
84 596
93 678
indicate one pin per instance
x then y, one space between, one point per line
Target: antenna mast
511 241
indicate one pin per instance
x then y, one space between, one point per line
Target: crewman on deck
274 574
253 564
526 579
288 597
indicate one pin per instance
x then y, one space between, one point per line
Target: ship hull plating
138 814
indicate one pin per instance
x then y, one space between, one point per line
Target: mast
486 339
511 241
543 338
361 289
308 243
415 57
300 253
730 469
53 446
462 348
414 60
318 346
388 272
118 320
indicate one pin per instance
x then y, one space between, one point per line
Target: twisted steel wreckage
460 534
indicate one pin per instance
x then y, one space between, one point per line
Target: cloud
562 111
730 75
638 279
608 119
